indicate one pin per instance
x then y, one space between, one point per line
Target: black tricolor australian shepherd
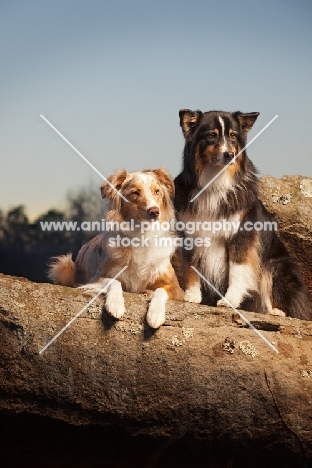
251 268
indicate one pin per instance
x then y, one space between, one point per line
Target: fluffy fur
149 194
252 269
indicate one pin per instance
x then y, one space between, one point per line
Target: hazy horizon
113 76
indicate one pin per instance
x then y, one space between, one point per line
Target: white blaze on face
223 147
147 181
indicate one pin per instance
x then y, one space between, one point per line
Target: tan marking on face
232 137
156 191
164 179
242 214
234 168
199 161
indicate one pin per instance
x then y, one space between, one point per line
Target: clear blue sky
112 76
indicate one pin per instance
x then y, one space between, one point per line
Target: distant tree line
25 248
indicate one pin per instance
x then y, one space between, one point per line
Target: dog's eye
157 191
135 192
212 135
232 136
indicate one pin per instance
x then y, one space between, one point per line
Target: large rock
204 378
289 199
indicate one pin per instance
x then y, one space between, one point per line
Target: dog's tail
62 270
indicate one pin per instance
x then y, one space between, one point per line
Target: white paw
223 303
231 299
278 312
156 314
193 294
155 317
115 303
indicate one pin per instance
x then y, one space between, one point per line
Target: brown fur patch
236 167
191 278
200 161
210 155
169 282
249 256
164 179
242 215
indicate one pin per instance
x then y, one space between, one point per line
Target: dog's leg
266 295
243 268
164 288
156 313
114 301
242 280
192 283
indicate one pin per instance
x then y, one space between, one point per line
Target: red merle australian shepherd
250 267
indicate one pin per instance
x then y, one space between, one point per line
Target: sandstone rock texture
203 390
204 383
289 199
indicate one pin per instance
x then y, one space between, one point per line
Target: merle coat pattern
251 268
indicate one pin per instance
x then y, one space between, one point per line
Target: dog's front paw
155 317
193 294
231 299
114 301
156 314
223 303
278 312
115 304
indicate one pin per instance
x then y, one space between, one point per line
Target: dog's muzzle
227 157
153 212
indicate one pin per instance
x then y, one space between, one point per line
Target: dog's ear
189 121
115 180
247 120
165 179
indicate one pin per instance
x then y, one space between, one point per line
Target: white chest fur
147 263
212 261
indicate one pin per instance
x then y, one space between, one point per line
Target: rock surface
289 199
204 378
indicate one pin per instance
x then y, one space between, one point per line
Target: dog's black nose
153 212
228 156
